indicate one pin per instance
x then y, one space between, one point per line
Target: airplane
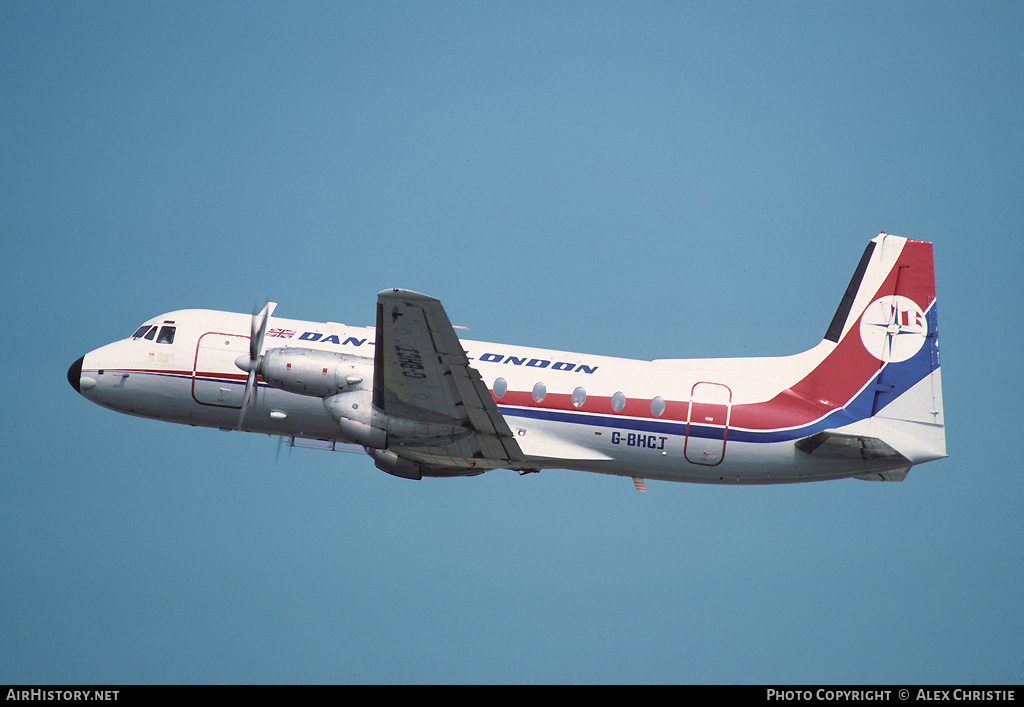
865 403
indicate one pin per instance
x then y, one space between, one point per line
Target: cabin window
658 406
150 334
166 335
539 391
500 388
618 401
579 396
140 331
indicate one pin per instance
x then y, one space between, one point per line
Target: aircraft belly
667 453
667 456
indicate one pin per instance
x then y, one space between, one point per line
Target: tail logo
893 328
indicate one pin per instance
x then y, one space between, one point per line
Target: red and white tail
882 359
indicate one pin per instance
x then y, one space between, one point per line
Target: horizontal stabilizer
836 445
890 475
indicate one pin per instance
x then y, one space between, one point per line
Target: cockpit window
148 332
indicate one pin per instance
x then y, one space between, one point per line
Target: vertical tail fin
883 357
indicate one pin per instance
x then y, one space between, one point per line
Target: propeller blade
250 392
254 338
257 332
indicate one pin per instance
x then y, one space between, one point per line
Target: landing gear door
707 423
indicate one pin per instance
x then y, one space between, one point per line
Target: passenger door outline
707 423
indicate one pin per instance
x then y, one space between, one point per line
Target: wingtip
405 294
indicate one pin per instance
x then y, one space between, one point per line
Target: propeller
257 330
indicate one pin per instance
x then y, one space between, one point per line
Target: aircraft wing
422 375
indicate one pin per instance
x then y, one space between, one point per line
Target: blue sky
635 179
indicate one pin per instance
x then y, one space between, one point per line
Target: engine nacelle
357 419
315 372
345 383
364 424
388 461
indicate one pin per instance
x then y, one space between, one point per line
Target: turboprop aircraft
866 402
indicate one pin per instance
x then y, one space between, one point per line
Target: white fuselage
865 402
667 419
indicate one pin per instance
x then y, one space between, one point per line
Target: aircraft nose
75 375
